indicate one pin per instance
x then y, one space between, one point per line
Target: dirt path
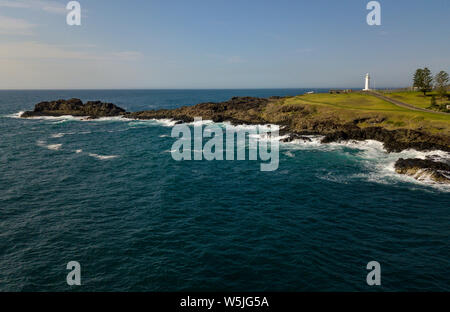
402 104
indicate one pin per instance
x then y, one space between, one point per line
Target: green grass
358 105
352 101
416 98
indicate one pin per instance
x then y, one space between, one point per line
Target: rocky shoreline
422 169
295 121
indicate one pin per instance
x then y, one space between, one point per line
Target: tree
423 80
433 103
441 80
418 78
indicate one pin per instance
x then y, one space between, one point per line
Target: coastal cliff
296 121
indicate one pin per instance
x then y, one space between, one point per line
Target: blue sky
219 44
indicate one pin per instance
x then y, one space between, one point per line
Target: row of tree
423 80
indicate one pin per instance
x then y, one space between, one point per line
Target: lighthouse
367 85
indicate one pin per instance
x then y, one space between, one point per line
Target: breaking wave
102 157
15 115
52 147
374 157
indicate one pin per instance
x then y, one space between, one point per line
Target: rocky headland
295 122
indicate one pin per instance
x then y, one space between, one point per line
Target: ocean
108 194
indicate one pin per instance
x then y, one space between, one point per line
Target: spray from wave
378 162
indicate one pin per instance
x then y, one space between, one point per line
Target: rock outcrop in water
75 107
422 169
237 110
296 120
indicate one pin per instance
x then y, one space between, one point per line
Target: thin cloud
14 4
15 26
35 50
45 5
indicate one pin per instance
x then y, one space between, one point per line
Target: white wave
113 118
64 118
78 151
166 122
15 115
379 164
53 147
289 154
58 135
61 119
58 118
314 142
237 128
103 157
330 176
200 123
267 137
152 122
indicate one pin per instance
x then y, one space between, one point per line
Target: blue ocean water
108 194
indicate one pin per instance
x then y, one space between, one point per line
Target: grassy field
364 109
416 98
352 101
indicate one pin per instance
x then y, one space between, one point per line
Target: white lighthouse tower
367 85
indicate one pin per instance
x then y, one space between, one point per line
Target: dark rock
424 168
237 110
75 107
394 140
295 136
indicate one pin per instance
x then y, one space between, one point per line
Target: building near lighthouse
367 84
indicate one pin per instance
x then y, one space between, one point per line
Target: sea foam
15 115
52 147
379 164
103 157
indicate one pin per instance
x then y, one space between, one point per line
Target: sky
197 44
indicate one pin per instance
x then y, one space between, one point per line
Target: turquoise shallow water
109 195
